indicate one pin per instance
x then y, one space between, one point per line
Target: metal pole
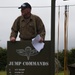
52 64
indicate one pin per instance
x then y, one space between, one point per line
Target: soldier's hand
41 39
12 39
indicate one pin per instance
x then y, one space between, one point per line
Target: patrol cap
25 5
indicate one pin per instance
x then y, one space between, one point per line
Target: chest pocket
30 26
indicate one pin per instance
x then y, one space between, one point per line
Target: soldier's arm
40 28
14 30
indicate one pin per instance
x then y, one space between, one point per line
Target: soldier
28 25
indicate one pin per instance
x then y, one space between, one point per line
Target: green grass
2 72
60 73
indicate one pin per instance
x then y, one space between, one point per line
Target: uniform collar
22 18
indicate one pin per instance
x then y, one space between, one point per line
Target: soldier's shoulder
19 17
36 16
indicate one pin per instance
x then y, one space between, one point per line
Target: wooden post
65 39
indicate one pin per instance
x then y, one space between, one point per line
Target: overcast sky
8 15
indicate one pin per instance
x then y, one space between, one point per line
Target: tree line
70 57
3 58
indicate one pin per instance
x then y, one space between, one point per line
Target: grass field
61 73
4 73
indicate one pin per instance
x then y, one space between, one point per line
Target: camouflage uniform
28 28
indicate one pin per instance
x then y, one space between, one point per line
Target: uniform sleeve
14 29
40 27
